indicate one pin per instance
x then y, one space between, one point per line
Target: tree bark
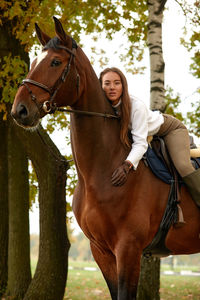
149 283
3 207
50 277
157 65
19 272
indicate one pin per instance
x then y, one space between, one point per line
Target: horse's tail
195 152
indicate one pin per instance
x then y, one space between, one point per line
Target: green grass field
180 287
90 285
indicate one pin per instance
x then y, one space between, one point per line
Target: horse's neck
95 140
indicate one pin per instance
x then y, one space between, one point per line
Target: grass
180 287
90 285
86 285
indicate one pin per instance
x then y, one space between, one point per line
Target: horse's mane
53 43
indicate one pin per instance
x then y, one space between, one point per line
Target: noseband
50 106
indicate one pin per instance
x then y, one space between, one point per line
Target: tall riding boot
192 182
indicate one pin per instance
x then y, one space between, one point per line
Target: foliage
13 70
3 110
56 120
192 41
33 184
72 176
172 104
108 16
194 118
195 43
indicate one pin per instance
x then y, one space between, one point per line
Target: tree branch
181 6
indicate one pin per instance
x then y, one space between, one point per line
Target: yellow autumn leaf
2 107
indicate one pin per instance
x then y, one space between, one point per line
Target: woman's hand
119 176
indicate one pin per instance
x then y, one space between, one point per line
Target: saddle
158 160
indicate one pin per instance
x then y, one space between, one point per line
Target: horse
118 221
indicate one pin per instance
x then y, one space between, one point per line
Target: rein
50 106
87 113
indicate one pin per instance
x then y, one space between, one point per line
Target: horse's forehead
40 57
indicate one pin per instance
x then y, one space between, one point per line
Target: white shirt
143 122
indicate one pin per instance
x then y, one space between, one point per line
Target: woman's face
112 86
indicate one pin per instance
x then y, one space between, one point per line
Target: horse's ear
43 37
60 31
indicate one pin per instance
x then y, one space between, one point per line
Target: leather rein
50 106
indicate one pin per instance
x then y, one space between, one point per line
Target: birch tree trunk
149 283
157 65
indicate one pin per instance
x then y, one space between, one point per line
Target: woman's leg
177 140
178 145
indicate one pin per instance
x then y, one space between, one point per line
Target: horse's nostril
22 111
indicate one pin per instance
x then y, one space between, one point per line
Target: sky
177 75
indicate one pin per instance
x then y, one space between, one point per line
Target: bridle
50 106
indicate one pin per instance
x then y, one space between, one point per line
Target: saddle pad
159 168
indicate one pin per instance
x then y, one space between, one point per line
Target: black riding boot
192 182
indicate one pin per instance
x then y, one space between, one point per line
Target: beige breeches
176 137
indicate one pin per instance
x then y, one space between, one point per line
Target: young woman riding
142 122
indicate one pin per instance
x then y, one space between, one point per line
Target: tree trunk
157 65
19 272
149 284
3 207
50 277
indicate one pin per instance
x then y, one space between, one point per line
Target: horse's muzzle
21 115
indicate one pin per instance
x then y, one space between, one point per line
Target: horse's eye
55 63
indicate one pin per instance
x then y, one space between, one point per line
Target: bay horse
119 221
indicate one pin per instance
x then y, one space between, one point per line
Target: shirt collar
118 104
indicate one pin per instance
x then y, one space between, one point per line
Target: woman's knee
184 168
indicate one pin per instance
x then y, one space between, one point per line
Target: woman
142 122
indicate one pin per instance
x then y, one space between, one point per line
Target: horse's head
44 87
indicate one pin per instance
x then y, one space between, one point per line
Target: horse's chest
93 216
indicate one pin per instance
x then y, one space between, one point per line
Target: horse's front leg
128 269
107 263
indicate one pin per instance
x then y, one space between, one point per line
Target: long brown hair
125 105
